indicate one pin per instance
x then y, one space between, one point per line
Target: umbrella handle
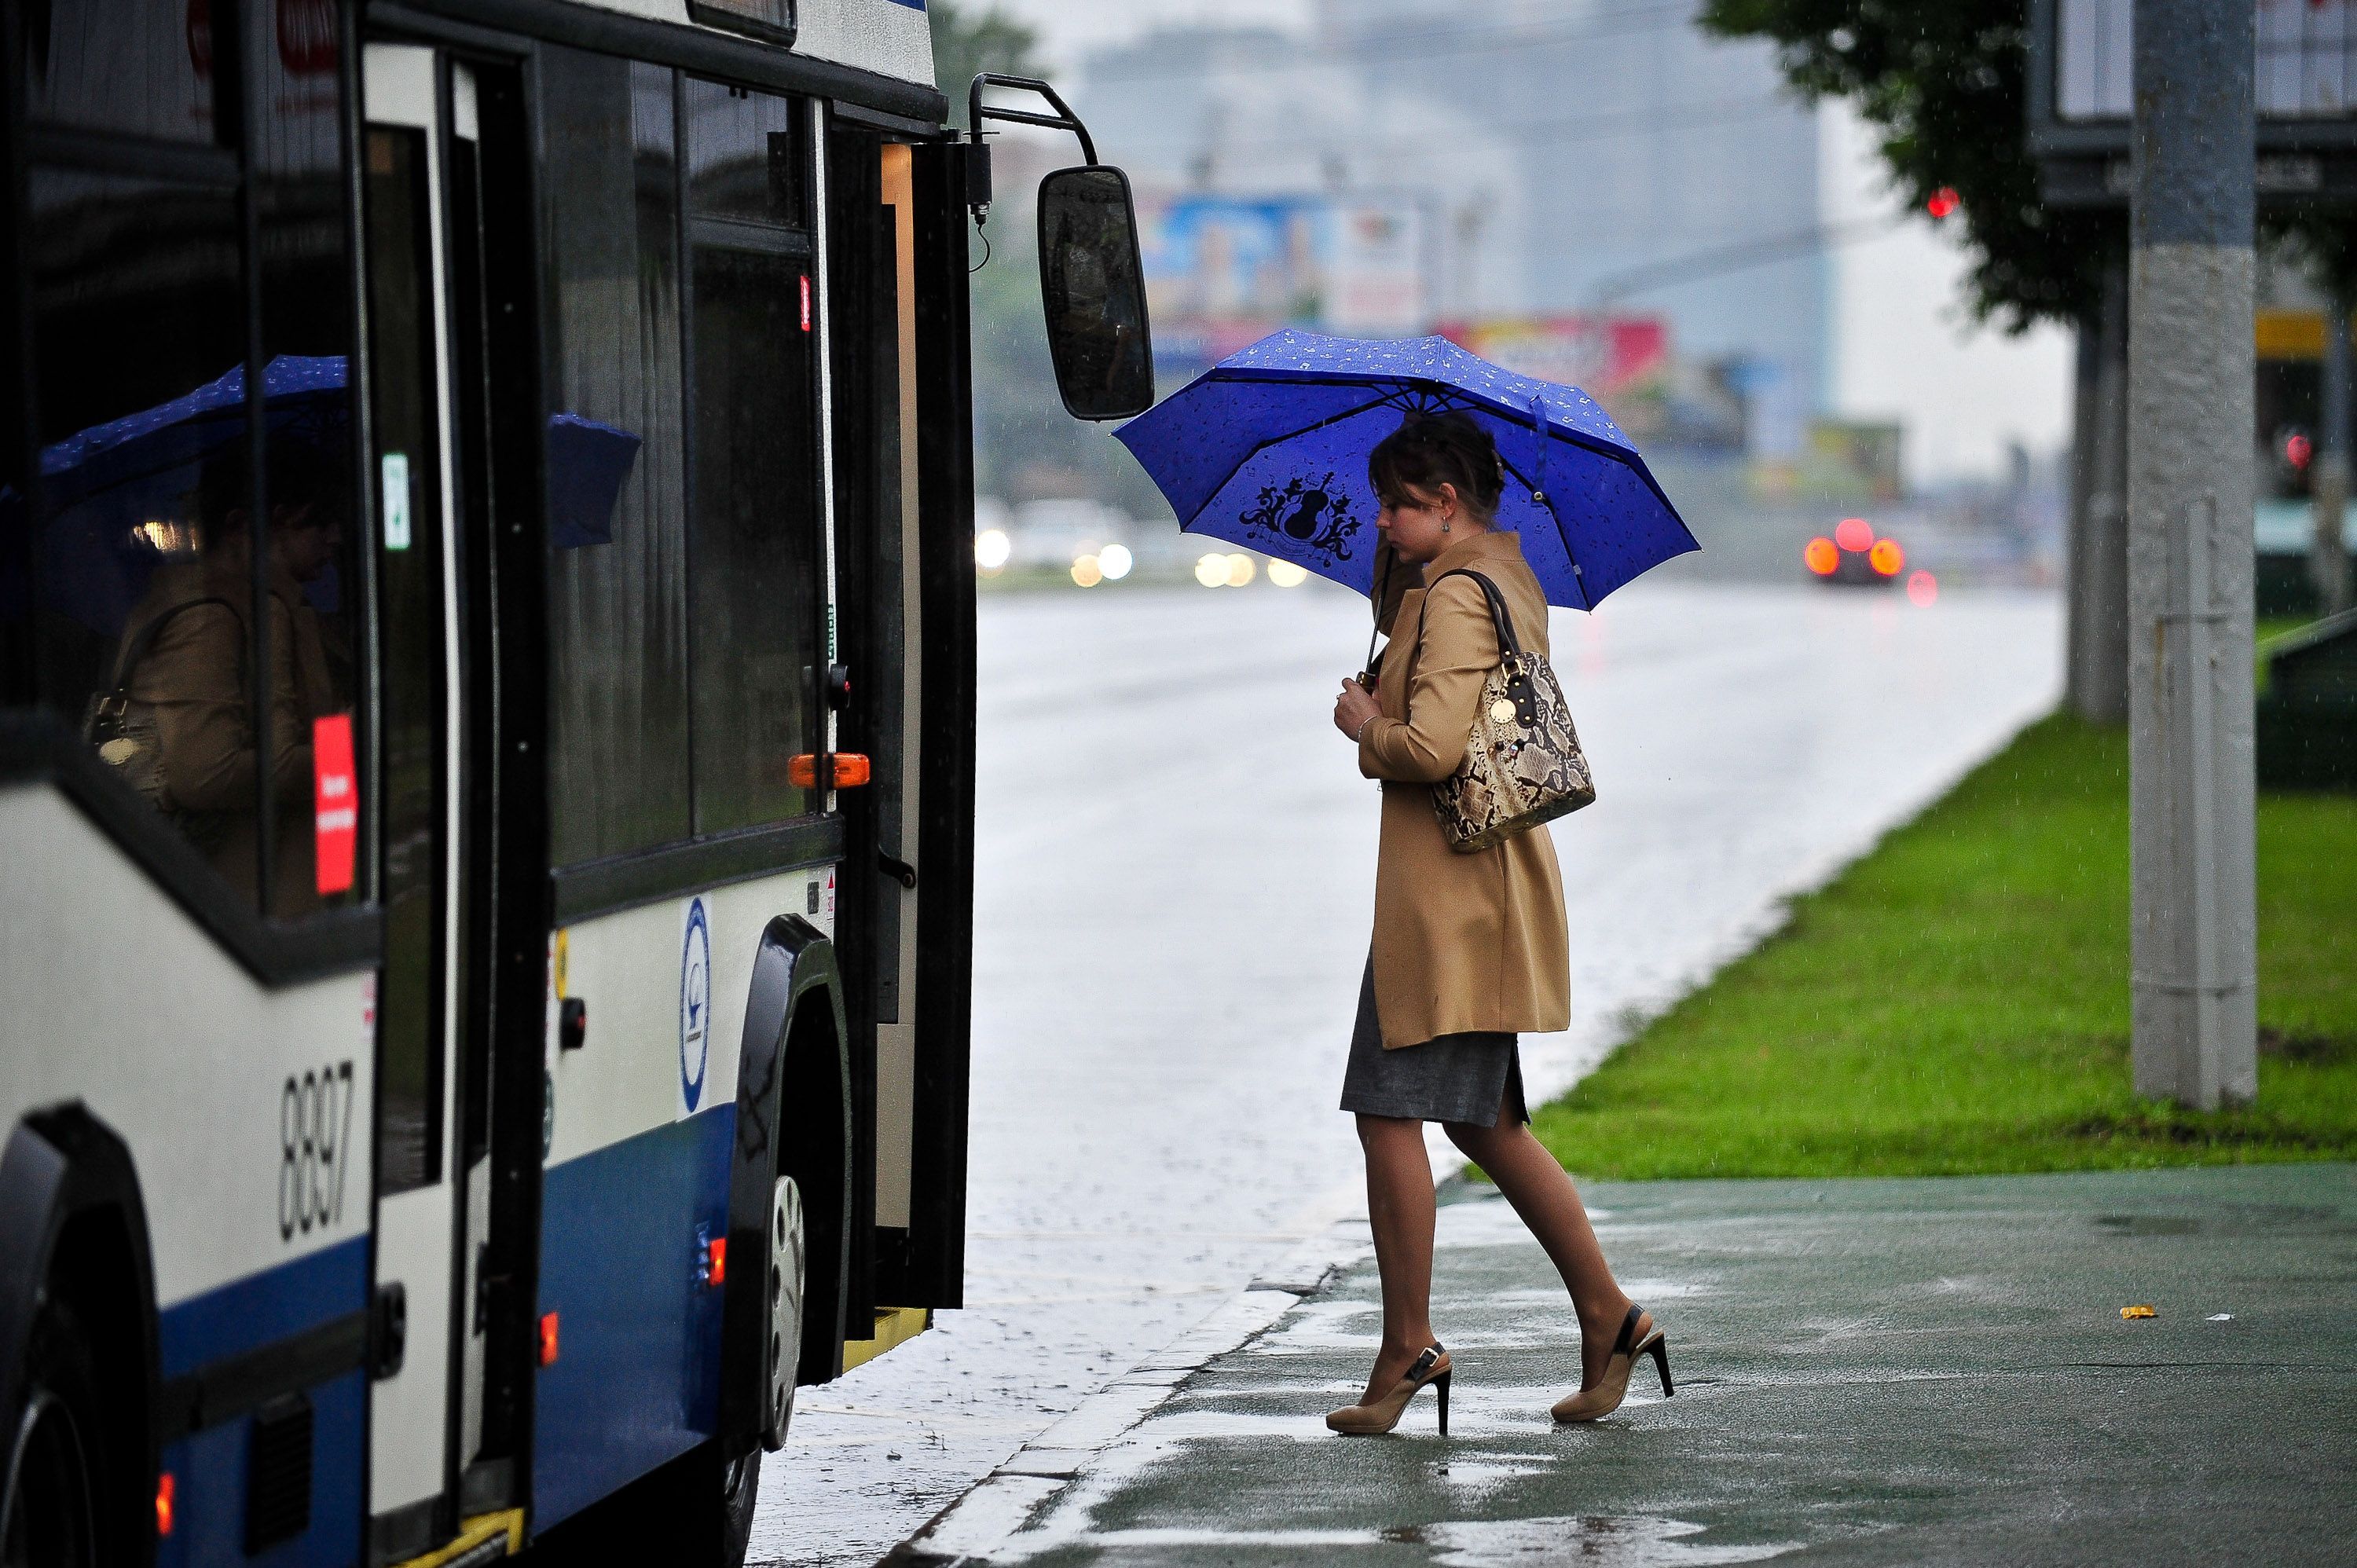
1383 588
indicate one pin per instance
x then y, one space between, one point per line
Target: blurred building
1546 172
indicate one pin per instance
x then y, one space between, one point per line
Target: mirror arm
1062 119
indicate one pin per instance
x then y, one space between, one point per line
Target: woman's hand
1353 708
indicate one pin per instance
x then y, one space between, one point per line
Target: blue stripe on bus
636 1380
208 1471
265 1307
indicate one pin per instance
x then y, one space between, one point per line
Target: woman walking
1470 950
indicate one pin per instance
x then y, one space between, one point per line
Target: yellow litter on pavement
2138 1312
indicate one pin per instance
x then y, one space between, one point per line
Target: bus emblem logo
694 1003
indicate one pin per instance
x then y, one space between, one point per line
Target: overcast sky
1902 344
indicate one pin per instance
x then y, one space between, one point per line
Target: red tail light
1855 533
1821 556
1886 558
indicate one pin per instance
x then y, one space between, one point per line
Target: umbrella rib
1237 468
1548 501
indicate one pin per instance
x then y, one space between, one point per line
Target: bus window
618 624
144 542
120 66
409 555
307 318
746 157
754 597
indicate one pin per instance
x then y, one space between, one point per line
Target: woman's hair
1429 450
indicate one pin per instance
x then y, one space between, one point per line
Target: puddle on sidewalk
1593 1542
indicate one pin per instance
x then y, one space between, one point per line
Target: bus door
438 838
904 559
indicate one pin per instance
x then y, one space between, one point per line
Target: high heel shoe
1369 1420
1638 1337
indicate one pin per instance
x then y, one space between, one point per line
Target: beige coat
1462 942
194 677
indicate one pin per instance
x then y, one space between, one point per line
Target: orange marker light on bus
1886 558
164 1488
548 1339
1821 556
851 770
717 1273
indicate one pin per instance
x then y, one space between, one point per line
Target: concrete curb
965 1533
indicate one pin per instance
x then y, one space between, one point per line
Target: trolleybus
486 752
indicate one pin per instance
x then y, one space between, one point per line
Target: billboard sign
1223 271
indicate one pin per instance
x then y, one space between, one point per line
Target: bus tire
740 1489
56 1478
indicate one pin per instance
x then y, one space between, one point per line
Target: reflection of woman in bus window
194 676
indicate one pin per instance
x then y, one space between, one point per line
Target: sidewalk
1868 1373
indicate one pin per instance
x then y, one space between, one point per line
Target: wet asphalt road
1174 883
1867 1372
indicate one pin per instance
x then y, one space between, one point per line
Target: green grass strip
1956 1003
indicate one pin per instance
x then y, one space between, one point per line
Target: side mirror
1092 281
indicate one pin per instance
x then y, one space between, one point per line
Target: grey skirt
1449 1078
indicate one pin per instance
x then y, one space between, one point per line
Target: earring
1444 525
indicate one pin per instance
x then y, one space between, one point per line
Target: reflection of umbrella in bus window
118 494
587 462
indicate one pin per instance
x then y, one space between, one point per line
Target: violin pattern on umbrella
1315 516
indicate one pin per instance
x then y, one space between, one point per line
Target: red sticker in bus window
336 797
806 302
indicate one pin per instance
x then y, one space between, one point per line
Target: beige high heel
1371 1420
1638 1337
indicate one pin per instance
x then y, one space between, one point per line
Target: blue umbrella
1268 449
295 387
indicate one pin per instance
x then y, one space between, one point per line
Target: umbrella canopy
1268 449
191 426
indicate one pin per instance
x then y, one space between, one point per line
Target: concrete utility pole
2190 386
2327 560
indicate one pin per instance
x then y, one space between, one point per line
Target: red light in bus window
2297 450
164 1488
548 1339
806 303
1886 558
1820 556
335 798
717 1273
1943 201
1854 533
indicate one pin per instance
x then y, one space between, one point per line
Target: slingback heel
1660 1351
1432 1367
1638 1337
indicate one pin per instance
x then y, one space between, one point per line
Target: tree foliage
968 40
1945 82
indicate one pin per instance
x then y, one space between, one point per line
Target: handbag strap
1508 647
127 664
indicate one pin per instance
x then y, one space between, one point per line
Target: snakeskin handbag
1522 763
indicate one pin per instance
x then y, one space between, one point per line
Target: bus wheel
788 1279
53 1481
740 1488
